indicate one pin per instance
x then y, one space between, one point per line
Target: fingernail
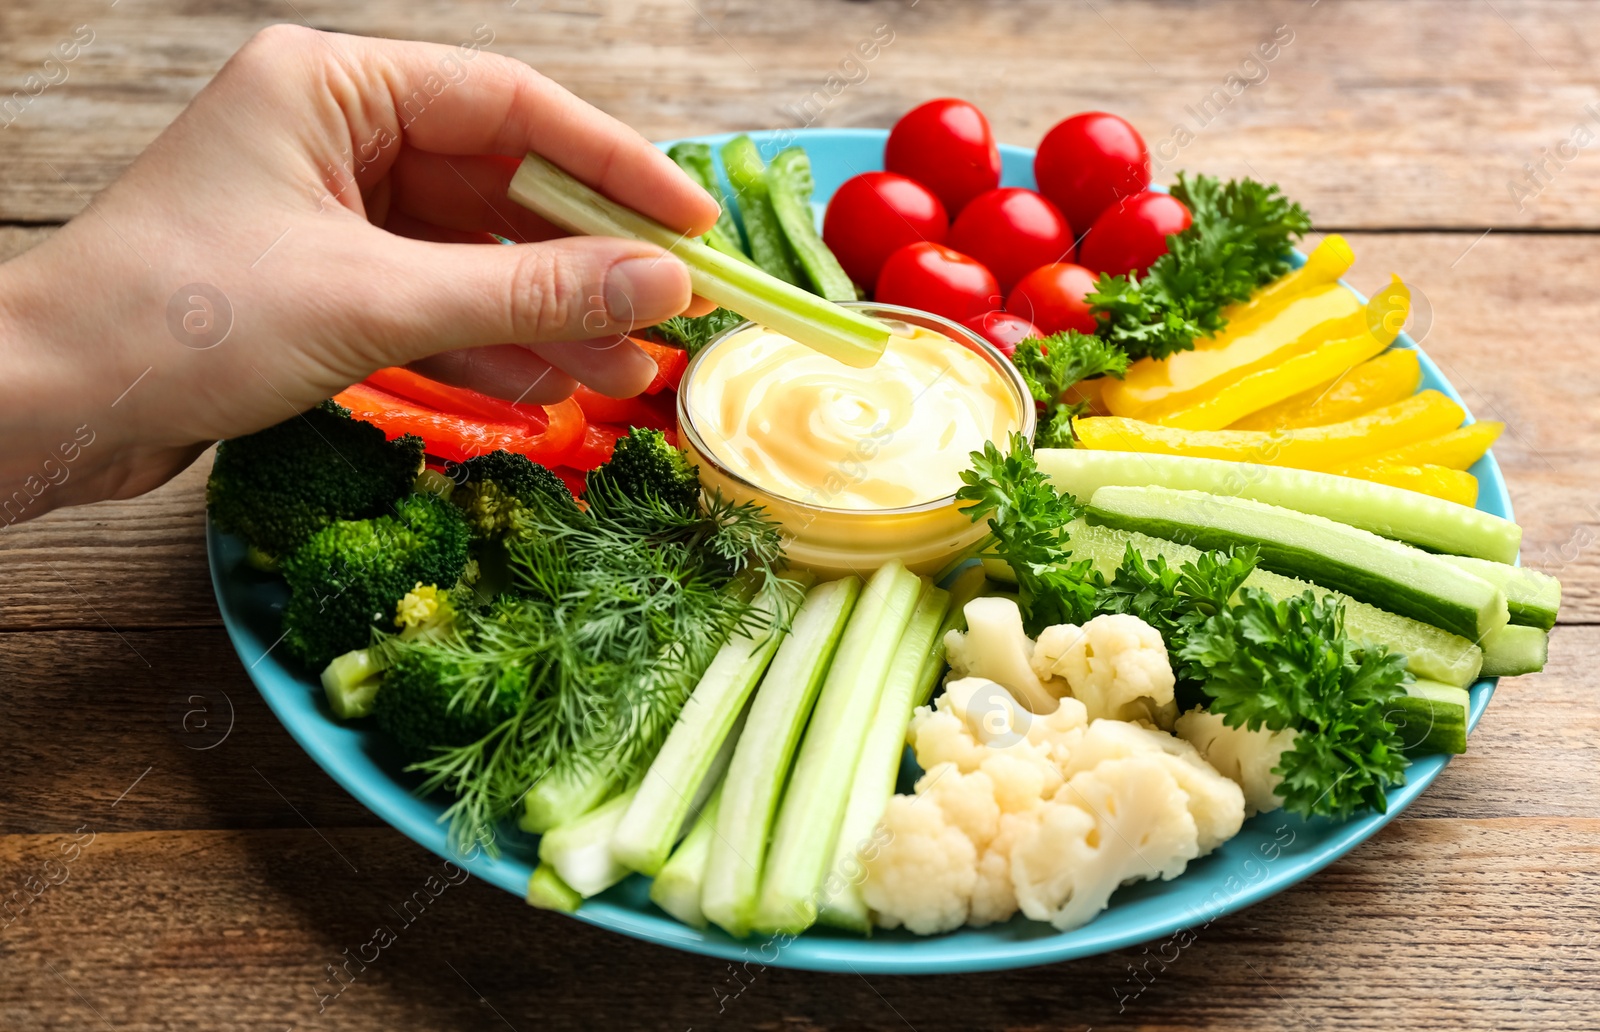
643 291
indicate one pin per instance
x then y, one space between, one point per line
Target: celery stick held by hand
851 337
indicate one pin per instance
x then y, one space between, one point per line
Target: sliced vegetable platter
1273 851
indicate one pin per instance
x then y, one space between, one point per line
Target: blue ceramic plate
1272 852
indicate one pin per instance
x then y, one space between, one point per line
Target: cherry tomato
1088 162
874 215
1013 231
1052 296
948 147
1128 237
933 278
1003 330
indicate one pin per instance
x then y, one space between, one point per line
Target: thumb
443 297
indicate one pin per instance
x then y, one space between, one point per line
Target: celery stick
842 902
547 891
1515 649
559 798
842 333
580 850
695 160
644 838
768 247
761 760
819 787
678 887
789 185
968 585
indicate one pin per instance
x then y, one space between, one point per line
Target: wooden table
215 871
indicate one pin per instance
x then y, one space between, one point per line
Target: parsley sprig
1289 664
1240 239
1050 365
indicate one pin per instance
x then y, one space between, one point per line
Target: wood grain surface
216 872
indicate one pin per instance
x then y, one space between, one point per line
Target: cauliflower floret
967 801
1125 820
1215 803
1246 757
924 874
970 721
995 646
1056 731
1116 665
994 897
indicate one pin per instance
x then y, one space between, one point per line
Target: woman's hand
320 211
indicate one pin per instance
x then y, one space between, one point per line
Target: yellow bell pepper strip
1326 448
1323 310
1297 373
1457 449
1329 260
1380 381
1453 485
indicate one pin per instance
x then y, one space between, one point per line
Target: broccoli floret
645 466
495 486
418 706
278 487
351 573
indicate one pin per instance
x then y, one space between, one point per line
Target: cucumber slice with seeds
1391 512
1532 598
1515 649
1402 579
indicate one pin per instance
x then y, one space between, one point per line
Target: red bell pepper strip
670 364
463 402
458 438
640 411
599 441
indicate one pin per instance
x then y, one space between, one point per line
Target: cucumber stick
789 187
1432 717
768 246
1532 598
1397 577
1515 649
910 677
695 160
1391 512
966 586
644 839
1430 653
761 759
818 792
677 888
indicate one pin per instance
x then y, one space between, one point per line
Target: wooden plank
179 704
1430 924
1375 114
77 567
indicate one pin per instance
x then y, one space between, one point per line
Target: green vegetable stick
819 788
842 333
677 889
547 891
1432 717
789 185
1533 598
558 798
580 851
768 246
1515 649
644 839
766 747
968 585
909 678
695 160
